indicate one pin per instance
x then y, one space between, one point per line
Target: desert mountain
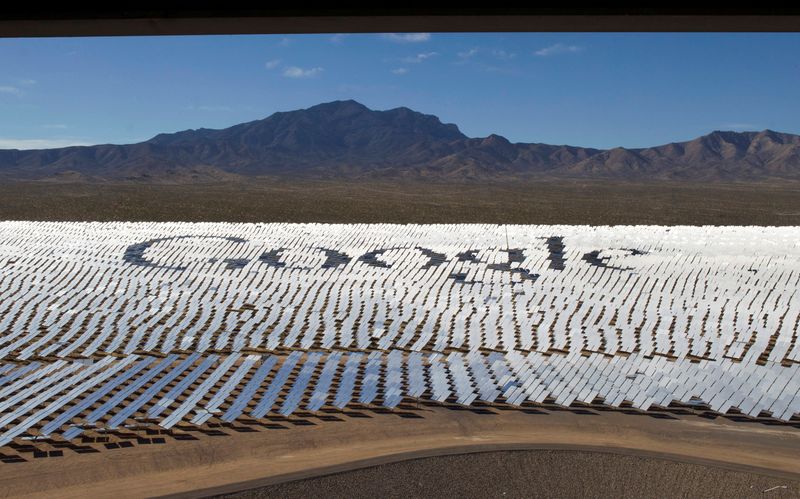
347 139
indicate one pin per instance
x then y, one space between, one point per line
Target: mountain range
345 139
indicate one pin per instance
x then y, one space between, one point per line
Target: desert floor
237 461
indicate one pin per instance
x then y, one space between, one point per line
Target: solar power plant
110 325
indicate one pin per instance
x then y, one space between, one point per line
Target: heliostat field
110 325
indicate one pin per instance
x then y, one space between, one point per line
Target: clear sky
587 89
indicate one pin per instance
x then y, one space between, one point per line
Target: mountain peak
338 105
729 134
495 139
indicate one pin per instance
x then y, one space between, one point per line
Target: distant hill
345 139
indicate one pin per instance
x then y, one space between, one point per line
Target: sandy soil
247 460
564 202
539 473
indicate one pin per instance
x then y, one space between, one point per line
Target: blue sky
587 89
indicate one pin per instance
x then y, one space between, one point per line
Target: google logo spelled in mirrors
321 258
